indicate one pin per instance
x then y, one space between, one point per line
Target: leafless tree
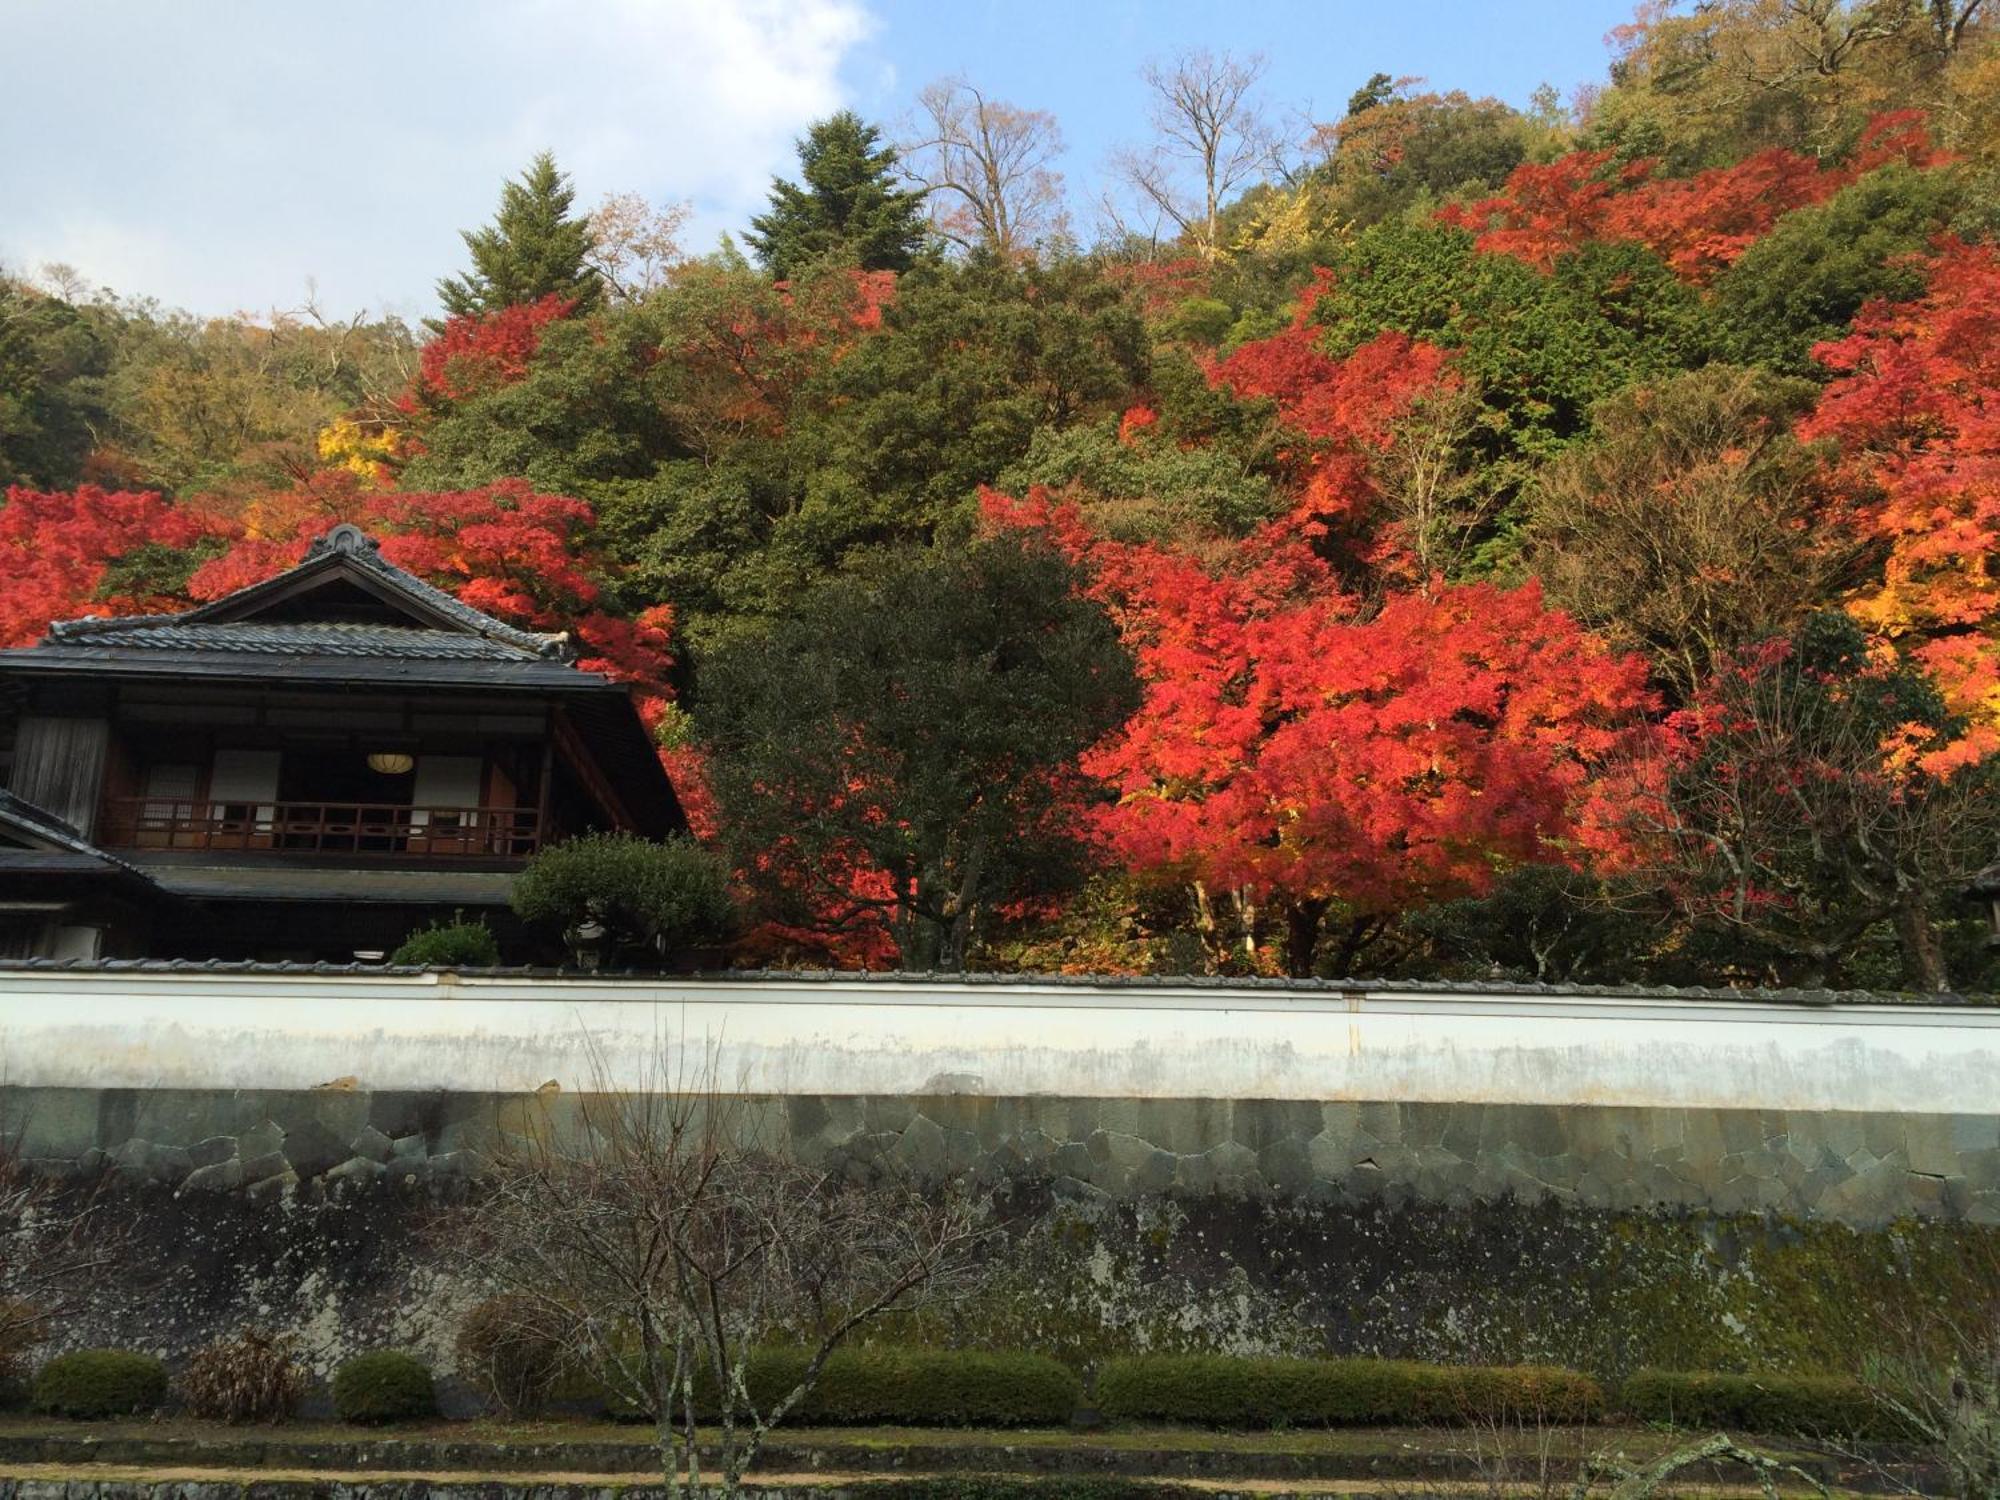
60 1245
1806 807
667 1239
1211 138
985 167
635 245
1433 483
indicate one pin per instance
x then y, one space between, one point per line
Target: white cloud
227 153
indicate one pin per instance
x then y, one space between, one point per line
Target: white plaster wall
153 1030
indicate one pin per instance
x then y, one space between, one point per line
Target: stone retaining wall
1860 1169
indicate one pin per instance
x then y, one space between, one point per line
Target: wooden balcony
348 828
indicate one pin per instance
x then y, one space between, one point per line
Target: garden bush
253 1377
650 899
458 945
1223 1391
511 1350
386 1386
91 1384
914 1387
1794 1405
1017 1487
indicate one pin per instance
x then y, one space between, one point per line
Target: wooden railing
322 828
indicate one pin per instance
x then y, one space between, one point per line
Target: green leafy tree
620 894
1542 348
850 204
897 754
970 365
52 362
1804 281
586 411
533 247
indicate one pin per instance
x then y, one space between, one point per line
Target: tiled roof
1222 986
457 631
289 638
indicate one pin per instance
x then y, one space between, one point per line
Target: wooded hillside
1447 540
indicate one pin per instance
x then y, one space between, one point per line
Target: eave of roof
525 673
645 983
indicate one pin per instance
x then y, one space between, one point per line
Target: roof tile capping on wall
281 1079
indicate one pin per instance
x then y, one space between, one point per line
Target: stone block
408 1148
1072 1159
1928 1144
311 1148
962 1151
355 1172
275 1186
270 1164
1285 1165
1078 1193
1974 1133
1194 1175
219 1177
216 1148
921 1148
1155 1175
260 1140
1382 1119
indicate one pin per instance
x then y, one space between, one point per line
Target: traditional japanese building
308 768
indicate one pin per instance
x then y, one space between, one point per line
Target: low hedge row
919 1387
963 1388
1825 1406
93 1384
1218 1391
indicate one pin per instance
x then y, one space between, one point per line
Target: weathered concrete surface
274 1084
1860 1169
402 1032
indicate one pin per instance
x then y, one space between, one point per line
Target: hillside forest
1445 540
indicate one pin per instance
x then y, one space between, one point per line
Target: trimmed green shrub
648 899
1794 1405
92 1384
456 945
1222 1391
386 1386
926 1387
911 1388
253 1377
1015 1487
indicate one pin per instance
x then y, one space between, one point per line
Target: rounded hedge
386 1386
91 1384
905 1387
1224 1391
1793 1405
455 945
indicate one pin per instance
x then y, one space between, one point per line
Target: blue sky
219 154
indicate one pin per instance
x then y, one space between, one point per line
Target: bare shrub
667 1240
254 1376
513 1349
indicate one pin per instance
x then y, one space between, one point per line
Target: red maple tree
1697 224
1914 414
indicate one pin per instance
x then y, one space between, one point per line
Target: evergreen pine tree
850 203
532 247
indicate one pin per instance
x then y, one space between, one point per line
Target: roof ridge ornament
344 538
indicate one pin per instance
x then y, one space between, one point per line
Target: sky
226 155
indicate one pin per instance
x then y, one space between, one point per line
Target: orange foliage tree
1914 413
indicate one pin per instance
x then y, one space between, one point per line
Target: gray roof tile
289 638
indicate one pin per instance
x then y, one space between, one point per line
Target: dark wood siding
59 766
